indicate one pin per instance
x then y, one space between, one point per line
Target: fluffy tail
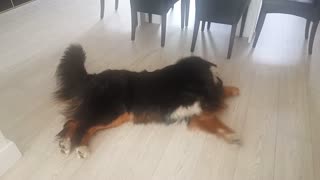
71 74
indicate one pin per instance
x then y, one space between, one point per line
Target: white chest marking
183 112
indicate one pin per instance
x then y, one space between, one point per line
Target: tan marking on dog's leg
82 150
229 91
210 123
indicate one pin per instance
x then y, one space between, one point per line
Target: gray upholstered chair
158 7
308 9
223 12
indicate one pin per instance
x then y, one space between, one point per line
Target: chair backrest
317 3
220 9
152 6
317 9
210 4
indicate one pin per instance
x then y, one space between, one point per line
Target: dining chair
158 7
308 9
220 11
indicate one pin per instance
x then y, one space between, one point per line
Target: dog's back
182 84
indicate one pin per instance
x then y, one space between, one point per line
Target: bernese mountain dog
186 91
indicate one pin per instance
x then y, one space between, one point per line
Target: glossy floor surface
275 115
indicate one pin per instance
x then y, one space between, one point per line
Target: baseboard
9 155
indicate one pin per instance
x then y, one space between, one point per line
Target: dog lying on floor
186 91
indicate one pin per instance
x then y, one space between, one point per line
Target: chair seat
154 6
299 1
225 12
301 8
303 1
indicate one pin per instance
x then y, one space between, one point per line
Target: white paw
65 145
82 152
233 138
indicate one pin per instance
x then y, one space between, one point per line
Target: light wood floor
274 114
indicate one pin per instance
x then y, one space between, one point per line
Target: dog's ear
212 64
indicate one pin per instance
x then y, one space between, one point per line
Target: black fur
100 98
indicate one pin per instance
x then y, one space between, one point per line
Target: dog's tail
71 74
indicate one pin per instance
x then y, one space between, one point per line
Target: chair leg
187 12
243 21
312 35
307 30
183 10
137 21
150 17
134 22
101 9
261 19
231 41
163 29
203 25
116 4
195 34
208 26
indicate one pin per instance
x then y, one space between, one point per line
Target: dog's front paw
82 152
233 138
65 145
235 91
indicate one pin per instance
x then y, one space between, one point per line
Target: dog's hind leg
82 150
66 135
210 123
